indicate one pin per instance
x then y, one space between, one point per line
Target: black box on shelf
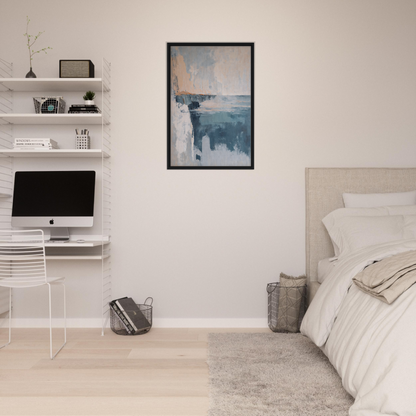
75 68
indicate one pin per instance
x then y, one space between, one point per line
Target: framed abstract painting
210 95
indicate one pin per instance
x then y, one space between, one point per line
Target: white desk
75 250
74 243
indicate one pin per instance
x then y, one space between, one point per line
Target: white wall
335 85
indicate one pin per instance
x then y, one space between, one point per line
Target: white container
82 141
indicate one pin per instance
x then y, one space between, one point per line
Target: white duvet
370 343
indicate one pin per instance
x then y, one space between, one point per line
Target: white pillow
333 218
379 200
353 233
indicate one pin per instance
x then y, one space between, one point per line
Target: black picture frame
171 45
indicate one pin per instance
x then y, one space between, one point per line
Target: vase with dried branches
31 39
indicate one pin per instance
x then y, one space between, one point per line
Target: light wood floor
162 373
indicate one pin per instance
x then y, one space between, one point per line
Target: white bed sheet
371 344
325 267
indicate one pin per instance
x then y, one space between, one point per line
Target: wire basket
117 325
49 105
286 307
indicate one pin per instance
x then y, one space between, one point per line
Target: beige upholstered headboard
324 189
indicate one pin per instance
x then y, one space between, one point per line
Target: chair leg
63 285
10 319
50 321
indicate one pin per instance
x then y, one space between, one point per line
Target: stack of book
35 144
130 315
83 109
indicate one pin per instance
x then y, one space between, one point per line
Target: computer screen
53 199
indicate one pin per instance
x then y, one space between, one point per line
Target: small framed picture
210 96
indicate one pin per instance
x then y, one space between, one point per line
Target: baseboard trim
210 323
157 323
44 323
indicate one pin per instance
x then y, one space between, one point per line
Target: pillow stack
365 223
379 200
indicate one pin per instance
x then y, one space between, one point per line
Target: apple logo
51 222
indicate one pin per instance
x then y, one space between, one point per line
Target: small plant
89 96
31 41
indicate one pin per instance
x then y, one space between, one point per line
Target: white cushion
353 233
379 200
331 221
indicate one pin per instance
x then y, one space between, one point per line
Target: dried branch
33 39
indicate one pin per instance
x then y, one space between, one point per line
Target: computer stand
59 234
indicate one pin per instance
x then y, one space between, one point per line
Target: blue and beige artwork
210 106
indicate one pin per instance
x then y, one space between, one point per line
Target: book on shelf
82 108
35 144
84 112
133 314
36 140
121 317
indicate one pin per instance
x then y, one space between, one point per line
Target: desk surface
74 243
70 250
57 244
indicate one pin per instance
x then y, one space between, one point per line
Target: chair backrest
22 258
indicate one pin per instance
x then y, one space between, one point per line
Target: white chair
23 265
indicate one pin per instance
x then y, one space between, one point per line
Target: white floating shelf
94 153
75 244
60 244
51 118
52 84
70 257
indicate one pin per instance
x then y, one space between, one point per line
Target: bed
370 343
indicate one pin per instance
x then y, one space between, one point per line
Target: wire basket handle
271 287
151 303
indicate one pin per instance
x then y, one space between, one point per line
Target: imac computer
55 200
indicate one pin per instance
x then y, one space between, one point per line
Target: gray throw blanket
389 278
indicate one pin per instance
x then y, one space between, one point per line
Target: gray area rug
272 374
